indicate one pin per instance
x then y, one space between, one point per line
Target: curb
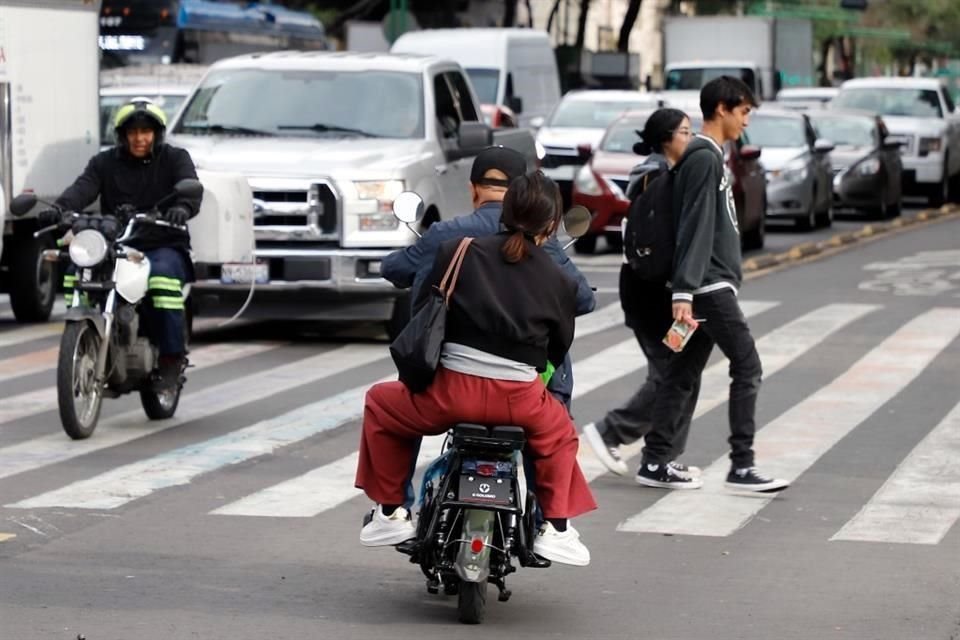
830 245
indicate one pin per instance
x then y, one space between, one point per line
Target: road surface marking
793 442
920 502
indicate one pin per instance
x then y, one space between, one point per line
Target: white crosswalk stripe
792 443
918 504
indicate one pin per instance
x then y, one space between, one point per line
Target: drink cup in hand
678 335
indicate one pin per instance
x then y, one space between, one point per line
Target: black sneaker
750 479
666 476
696 472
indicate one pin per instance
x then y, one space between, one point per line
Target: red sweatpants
393 418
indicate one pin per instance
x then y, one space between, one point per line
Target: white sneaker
561 546
385 531
609 456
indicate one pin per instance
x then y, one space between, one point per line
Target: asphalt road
238 519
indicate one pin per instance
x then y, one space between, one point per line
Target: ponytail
515 248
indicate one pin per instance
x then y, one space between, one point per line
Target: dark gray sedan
866 166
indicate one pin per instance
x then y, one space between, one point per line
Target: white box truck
48 129
766 53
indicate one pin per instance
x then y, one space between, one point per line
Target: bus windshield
200 31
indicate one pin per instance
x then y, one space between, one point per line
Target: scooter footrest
533 561
408 547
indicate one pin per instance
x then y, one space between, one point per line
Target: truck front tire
32 285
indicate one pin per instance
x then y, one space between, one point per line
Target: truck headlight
88 248
927 145
383 191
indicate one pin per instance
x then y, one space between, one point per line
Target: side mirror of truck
474 136
22 204
408 208
515 104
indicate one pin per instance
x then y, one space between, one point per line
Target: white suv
921 114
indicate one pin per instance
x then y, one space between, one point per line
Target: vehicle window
948 100
448 118
621 137
109 105
307 103
486 83
462 97
694 79
852 132
777 132
593 114
914 103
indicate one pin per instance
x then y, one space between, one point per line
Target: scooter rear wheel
79 396
472 602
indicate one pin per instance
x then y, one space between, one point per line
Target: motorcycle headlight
88 248
868 167
586 183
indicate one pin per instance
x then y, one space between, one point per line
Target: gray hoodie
707 256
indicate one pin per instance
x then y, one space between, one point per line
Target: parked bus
200 31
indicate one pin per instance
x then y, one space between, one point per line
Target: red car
600 185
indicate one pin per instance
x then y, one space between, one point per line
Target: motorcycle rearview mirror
408 208
576 222
189 188
22 204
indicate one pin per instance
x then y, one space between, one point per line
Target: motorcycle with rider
128 281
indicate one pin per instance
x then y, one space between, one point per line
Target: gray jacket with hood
707 256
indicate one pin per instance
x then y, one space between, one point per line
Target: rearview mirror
576 221
750 152
515 104
189 188
22 204
408 207
474 136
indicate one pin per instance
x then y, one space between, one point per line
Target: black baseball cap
510 162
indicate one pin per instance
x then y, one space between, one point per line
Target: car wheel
614 240
585 244
755 238
954 189
809 221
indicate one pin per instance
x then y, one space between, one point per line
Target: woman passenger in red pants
512 311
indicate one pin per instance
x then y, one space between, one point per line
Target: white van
514 68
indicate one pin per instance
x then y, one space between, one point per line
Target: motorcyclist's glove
82 222
177 215
49 217
109 226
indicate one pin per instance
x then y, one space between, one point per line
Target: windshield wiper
325 128
227 128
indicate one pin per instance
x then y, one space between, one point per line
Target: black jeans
725 326
634 420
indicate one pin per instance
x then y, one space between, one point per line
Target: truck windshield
914 103
693 79
325 104
853 132
777 132
593 114
485 83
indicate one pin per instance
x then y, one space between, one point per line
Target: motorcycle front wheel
472 602
78 394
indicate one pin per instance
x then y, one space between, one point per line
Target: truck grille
296 214
560 156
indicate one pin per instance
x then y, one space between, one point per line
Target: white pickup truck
327 141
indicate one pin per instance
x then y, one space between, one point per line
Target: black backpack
650 237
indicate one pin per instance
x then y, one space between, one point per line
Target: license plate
245 273
484 489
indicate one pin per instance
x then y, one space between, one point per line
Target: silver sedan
799 177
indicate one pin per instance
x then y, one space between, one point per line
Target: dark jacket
523 311
708 255
410 267
120 179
